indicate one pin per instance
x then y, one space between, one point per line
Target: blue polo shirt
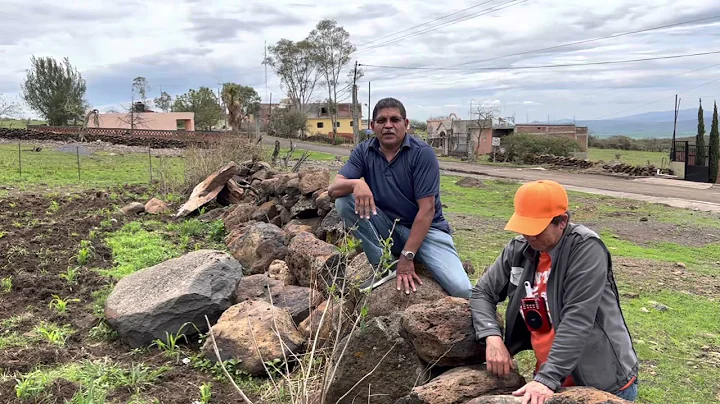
397 185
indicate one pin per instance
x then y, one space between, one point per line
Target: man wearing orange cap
563 302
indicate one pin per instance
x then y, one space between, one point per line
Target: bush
288 124
524 147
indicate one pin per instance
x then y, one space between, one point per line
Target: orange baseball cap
536 204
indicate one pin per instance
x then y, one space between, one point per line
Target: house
144 118
319 120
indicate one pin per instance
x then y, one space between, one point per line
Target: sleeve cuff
488 333
551 384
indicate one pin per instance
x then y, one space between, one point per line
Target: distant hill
650 124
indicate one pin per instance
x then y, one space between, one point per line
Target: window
351 124
320 125
337 124
323 110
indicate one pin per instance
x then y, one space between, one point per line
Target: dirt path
671 192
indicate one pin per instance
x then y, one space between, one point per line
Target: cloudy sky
178 45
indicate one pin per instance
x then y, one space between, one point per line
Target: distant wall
147 120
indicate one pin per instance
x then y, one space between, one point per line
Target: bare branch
222 365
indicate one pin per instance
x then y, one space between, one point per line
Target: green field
679 347
632 157
19 123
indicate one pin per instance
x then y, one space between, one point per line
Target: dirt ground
39 242
93 147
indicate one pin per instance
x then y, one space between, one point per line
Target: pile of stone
286 289
635 170
562 161
152 142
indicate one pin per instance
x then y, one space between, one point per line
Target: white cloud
181 45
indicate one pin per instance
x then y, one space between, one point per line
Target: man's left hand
534 393
406 275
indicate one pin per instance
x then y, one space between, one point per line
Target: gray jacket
592 342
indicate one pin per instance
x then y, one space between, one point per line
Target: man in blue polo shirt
394 179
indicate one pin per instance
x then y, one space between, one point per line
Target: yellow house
319 122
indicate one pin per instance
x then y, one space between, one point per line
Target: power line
608 62
451 22
590 40
425 23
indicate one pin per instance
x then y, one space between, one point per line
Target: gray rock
279 270
313 180
379 344
387 299
238 216
297 300
145 305
314 263
304 208
133 208
324 201
331 228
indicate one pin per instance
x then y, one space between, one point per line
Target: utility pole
672 147
369 117
356 125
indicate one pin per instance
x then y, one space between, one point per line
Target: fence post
77 151
19 158
150 160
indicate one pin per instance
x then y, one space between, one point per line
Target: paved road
672 192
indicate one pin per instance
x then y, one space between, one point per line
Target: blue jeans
437 251
630 393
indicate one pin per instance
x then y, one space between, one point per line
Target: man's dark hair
389 103
558 219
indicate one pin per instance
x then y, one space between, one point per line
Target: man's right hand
364 201
499 361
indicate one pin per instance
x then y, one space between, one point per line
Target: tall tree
164 102
204 103
241 101
140 87
332 50
700 138
295 65
714 147
54 90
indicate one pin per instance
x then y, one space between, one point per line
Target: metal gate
695 159
458 145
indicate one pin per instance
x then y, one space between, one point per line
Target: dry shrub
201 161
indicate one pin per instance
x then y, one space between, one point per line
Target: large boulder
442 332
326 320
386 299
145 305
358 270
459 385
155 206
313 180
299 301
313 262
282 181
239 215
570 395
208 189
385 362
259 245
251 332
133 208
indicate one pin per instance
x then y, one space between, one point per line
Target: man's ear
407 124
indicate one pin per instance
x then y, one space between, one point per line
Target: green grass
674 366
19 123
56 168
633 157
134 248
314 155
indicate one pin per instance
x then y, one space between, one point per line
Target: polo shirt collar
375 143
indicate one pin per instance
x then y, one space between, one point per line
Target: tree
141 87
331 49
7 108
485 115
54 90
700 138
164 102
296 65
288 123
204 103
714 147
241 101
418 125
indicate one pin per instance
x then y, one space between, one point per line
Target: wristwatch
409 255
